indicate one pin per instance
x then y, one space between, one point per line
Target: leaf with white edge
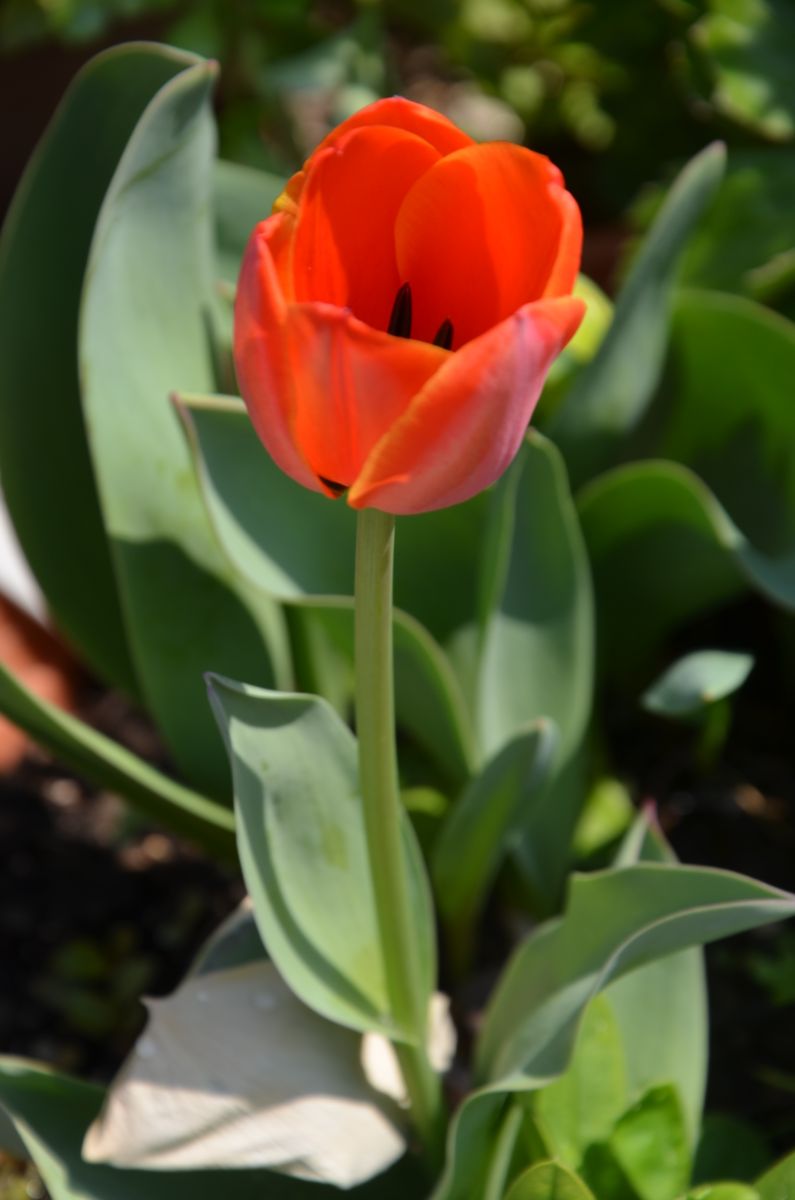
488 818
696 681
549 1181
52 1112
282 1088
303 852
614 920
610 396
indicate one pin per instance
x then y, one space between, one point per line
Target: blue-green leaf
696 681
303 852
48 479
535 654
615 920
609 397
143 333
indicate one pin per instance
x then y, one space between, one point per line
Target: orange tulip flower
397 314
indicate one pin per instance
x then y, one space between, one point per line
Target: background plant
680 459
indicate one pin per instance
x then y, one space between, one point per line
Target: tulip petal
344 249
261 357
566 266
398 113
465 427
478 237
351 384
395 113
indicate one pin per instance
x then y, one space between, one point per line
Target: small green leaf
779 1182
549 1181
609 397
697 681
584 1104
487 820
112 766
651 1146
303 852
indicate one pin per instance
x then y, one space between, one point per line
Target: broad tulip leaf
648 527
614 920
52 1113
728 414
549 1181
611 394
779 1182
245 490
185 611
299 548
233 1071
661 1013
536 646
749 46
47 475
693 683
112 766
487 820
646 1029
303 852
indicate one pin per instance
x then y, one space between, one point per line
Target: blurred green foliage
618 92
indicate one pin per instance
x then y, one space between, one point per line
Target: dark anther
444 334
400 321
336 488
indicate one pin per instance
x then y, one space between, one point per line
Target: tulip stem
384 820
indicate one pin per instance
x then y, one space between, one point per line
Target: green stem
383 817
